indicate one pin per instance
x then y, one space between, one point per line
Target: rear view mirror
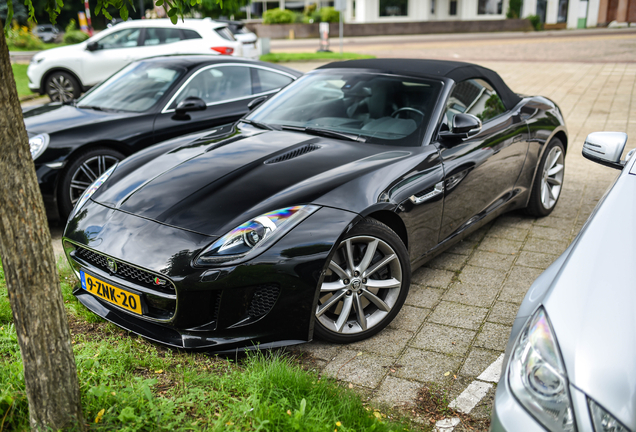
462 126
92 46
191 103
605 148
256 102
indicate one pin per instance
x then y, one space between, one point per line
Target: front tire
62 87
80 173
365 286
548 182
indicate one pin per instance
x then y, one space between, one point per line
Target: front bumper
269 300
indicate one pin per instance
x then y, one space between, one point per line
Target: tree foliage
53 8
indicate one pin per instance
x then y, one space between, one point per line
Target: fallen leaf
160 371
100 415
455 376
393 370
447 374
229 423
377 415
289 412
359 354
350 385
113 393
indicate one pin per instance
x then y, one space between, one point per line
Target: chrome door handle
438 189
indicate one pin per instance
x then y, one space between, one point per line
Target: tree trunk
31 274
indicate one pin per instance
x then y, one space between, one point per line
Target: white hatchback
64 73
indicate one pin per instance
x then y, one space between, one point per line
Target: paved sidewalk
461 306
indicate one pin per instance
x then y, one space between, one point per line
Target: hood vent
293 153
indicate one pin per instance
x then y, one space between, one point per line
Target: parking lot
457 317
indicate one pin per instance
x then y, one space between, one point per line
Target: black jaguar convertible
307 216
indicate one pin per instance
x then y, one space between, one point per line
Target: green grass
290 57
46 46
129 384
21 80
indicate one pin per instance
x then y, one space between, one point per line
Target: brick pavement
458 315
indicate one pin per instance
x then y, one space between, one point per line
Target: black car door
226 89
480 172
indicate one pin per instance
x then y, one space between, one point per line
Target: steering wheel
409 110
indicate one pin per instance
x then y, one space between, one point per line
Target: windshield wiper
325 133
257 124
93 107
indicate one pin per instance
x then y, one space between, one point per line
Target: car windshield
373 108
136 88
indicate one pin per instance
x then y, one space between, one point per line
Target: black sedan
146 102
307 217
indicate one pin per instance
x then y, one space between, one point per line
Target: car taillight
223 50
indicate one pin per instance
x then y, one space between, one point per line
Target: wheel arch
393 221
59 69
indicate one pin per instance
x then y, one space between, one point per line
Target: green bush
514 9
21 37
279 16
75 36
72 35
535 20
329 14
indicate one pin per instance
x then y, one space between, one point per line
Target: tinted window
476 97
160 36
218 84
190 34
225 33
265 80
135 88
122 39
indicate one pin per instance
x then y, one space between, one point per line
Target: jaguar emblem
112 265
158 281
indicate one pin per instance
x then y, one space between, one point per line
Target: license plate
112 294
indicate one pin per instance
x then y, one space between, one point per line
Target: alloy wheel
60 89
89 171
361 286
552 178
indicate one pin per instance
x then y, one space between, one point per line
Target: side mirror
92 46
462 126
256 102
605 148
191 103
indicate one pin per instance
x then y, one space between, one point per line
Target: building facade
553 13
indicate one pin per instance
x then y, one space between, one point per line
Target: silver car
570 363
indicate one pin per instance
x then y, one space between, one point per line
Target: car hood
211 190
55 117
61 52
592 300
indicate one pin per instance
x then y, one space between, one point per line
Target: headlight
254 235
91 190
38 144
604 421
537 376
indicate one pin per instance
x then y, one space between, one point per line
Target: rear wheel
365 286
548 182
62 87
81 173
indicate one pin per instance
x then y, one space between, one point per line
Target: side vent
293 153
263 301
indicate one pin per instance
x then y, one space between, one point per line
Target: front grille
263 300
124 271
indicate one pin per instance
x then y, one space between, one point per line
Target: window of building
452 8
476 97
489 7
394 8
562 15
432 7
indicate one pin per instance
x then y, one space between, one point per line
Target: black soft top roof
457 71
